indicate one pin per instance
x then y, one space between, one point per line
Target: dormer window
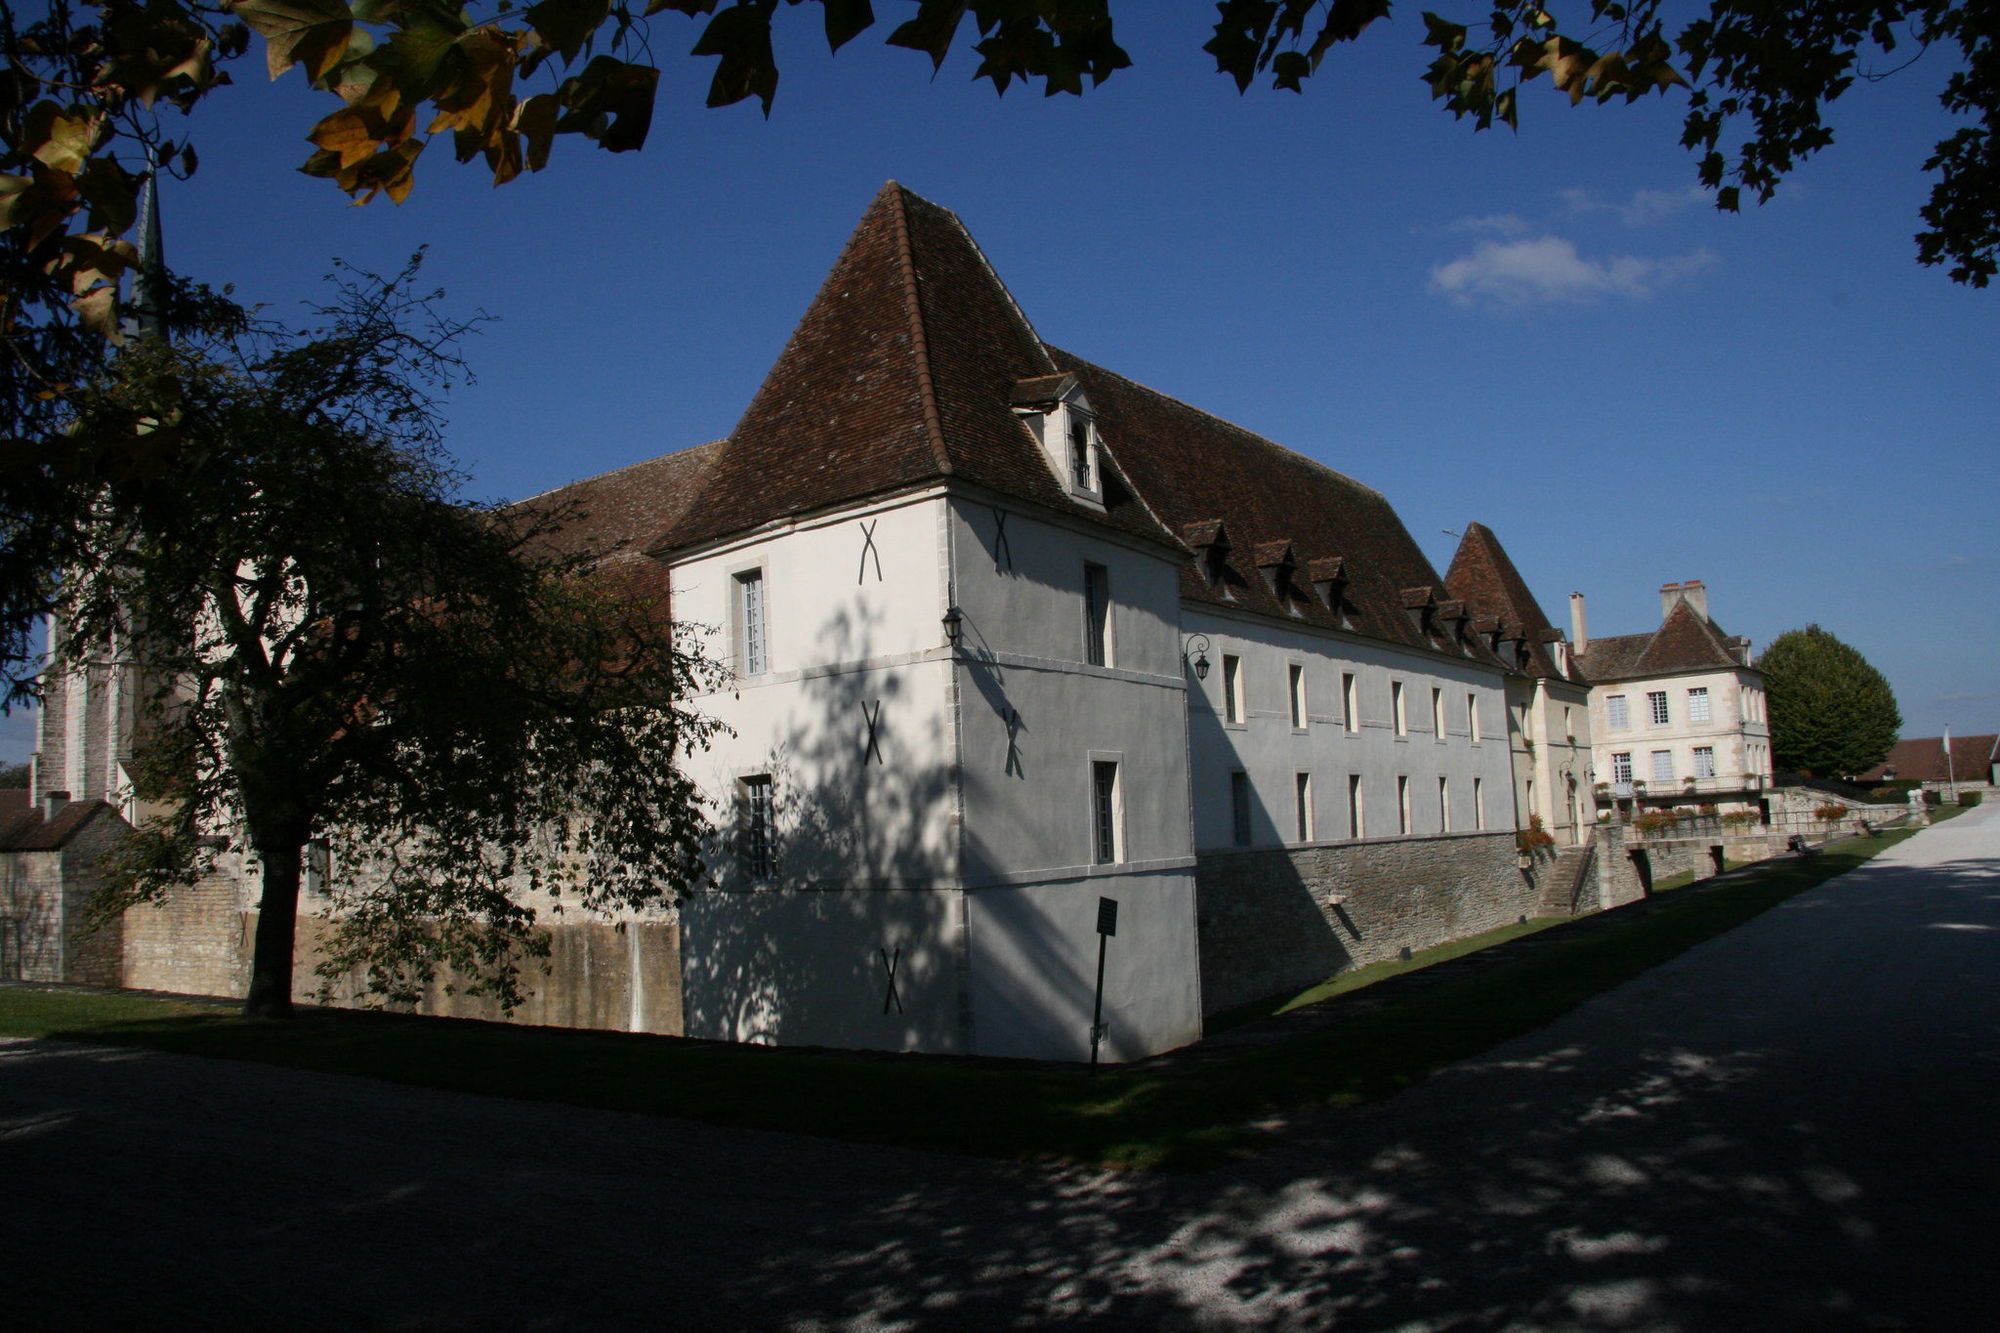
1082 436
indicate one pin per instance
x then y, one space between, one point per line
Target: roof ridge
906 264
1264 441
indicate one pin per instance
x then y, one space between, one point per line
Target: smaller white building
1677 715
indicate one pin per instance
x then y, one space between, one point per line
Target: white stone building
1677 715
1023 653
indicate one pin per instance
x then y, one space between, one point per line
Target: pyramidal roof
901 372
1483 576
1686 640
908 369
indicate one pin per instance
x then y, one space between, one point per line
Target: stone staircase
1564 883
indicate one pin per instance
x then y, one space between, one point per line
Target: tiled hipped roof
1685 641
613 518
908 368
1208 479
1924 760
1484 578
902 371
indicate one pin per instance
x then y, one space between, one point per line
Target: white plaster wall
804 967
1033 716
1271 751
1561 752
844 646
1033 967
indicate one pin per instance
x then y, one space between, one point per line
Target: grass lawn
1169 1113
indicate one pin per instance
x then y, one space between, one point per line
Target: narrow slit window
1472 717
1104 801
751 640
1402 805
1437 712
1444 805
1232 688
1350 702
1097 615
1396 707
756 835
1298 696
1239 809
1302 806
1355 823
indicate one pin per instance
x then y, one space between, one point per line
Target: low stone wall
1284 918
622 976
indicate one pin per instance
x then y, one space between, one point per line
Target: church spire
148 317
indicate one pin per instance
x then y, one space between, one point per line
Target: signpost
1107 926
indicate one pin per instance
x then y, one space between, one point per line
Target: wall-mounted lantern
1199 645
954 625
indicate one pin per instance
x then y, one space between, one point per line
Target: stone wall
593 966
31 916
195 941
1284 918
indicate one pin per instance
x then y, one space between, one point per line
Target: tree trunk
277 932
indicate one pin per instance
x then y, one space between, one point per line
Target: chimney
1695 594
1670 595
1579 633
53 802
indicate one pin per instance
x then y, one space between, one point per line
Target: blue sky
1548 332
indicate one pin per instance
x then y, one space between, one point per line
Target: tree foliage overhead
1831 713
339 652
502 82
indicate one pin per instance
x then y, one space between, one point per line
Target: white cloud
1506 224
1644 207
1546 270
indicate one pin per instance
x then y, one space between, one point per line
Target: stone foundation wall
195 941
1284 918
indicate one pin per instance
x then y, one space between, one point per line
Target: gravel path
1787 1127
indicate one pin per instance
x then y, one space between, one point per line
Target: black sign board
1107 916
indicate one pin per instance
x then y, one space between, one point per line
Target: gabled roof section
1195 470
27 831
1483 576
1685 641
619 514
904 370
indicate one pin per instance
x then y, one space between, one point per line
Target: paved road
1789 1127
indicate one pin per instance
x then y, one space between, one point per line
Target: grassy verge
1357 977
1170 1113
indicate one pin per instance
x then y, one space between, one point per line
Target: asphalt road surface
1788 1127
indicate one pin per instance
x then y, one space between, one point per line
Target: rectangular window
1704 761
1656 707
1104 809
1444 805
1437 712
1472 717
1663 765
1298 693
1402 805
1621 767
751 658
1232 688
1097 615
1350 702
1479 803
1396 708
1239 809
1355 825
1698 704
1617 715
1569 724
1302 806
756 827
1528 795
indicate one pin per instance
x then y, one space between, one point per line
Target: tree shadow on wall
846 943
